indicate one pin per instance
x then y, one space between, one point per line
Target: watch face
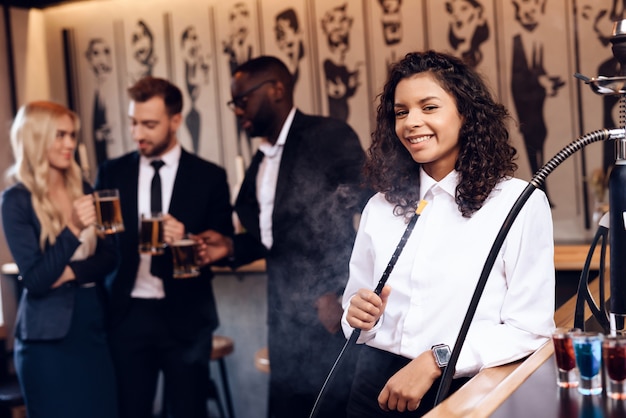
442 355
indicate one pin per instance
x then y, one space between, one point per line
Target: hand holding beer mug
83 212
108 211
213 246
151 236
185 258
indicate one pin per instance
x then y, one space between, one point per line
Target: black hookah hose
354 336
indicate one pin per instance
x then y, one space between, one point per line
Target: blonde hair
33 131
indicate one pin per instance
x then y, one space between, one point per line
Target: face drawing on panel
289 40
142 47
341 82
196 74
98 55
468 29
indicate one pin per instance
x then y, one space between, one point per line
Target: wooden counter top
566 257
257 266
572 257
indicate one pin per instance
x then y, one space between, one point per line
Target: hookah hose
381 283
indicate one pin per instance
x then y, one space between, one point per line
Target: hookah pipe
617 196
614 321
617 208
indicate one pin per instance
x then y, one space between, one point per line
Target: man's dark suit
317 195
201 201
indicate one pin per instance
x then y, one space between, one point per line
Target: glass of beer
108 211
151 234
185 258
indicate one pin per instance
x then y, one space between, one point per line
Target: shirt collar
270 150
170 158
447 184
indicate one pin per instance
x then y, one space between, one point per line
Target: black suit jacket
317 193
201 201
45 313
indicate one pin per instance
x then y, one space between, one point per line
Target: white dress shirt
267 177
436 274
146 285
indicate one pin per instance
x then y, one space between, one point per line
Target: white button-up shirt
436 274
146 285
267 178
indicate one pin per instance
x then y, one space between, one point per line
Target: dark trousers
373 370
142 346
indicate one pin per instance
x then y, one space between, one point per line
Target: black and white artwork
194 72
286 36
99 56
96 94
533 80
541 97
339 52
395 29
594 23
142 50
237 27
469 33
342 58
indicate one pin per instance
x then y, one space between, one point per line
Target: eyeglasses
241 100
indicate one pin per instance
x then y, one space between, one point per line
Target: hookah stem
354 336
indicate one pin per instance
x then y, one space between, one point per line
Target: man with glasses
297 204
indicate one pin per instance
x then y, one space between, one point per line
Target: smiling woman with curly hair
485 153
441 138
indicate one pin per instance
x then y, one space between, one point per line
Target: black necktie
155 189
156 205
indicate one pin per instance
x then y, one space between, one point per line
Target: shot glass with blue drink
588 351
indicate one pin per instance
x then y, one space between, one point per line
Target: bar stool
222 347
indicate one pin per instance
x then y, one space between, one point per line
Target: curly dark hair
485 157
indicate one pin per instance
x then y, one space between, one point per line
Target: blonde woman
61 352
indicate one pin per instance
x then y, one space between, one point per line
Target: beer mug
185 258
151 234
108 211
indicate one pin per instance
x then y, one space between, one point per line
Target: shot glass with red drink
614 356
567 372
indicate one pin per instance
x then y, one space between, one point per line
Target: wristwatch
442 353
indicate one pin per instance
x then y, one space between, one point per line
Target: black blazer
317 193
45 313
201 201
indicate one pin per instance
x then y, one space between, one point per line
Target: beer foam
184 242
